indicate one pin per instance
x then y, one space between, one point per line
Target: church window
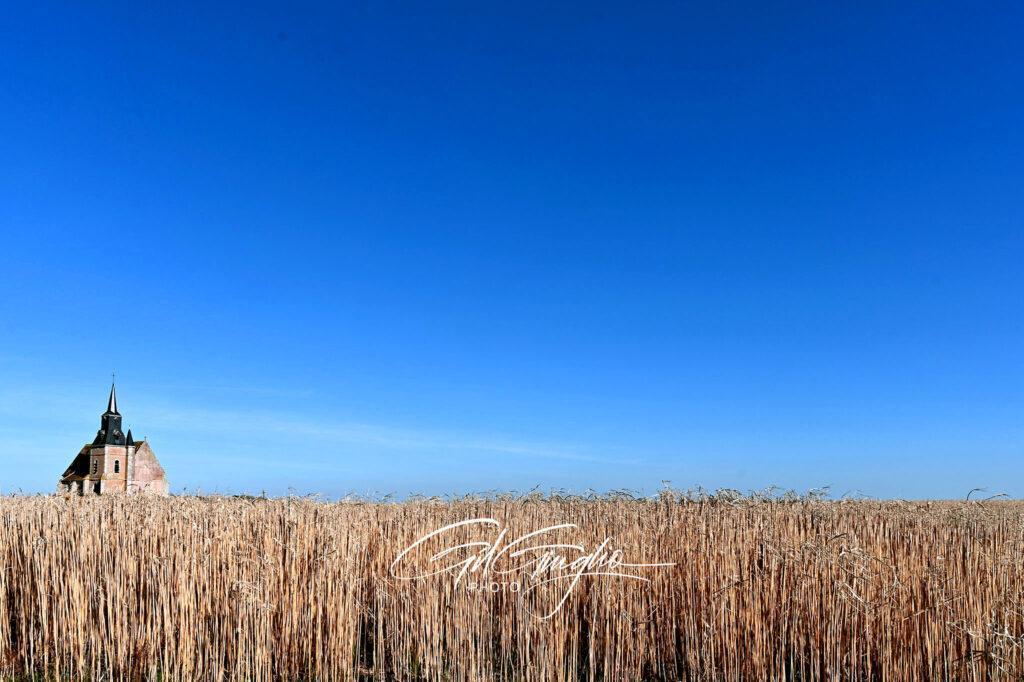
117 466
95 465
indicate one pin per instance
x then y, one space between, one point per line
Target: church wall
130 464
148 474
114 485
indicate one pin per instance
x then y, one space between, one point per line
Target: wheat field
218 588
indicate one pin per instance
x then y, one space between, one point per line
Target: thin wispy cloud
261 425
249 424
233 389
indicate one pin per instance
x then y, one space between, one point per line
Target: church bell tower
110 423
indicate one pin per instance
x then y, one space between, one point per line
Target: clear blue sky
384 248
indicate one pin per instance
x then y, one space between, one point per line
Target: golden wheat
212 588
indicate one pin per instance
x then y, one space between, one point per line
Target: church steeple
110 423
112 400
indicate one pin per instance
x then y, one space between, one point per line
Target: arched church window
117 466
95 465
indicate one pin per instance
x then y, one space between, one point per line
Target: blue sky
392 249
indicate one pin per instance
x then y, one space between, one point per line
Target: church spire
112 400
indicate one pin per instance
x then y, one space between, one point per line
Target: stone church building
114 462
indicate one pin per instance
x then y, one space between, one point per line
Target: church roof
79 466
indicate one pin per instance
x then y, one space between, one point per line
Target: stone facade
114 462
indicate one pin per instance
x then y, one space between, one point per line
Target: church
114 462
